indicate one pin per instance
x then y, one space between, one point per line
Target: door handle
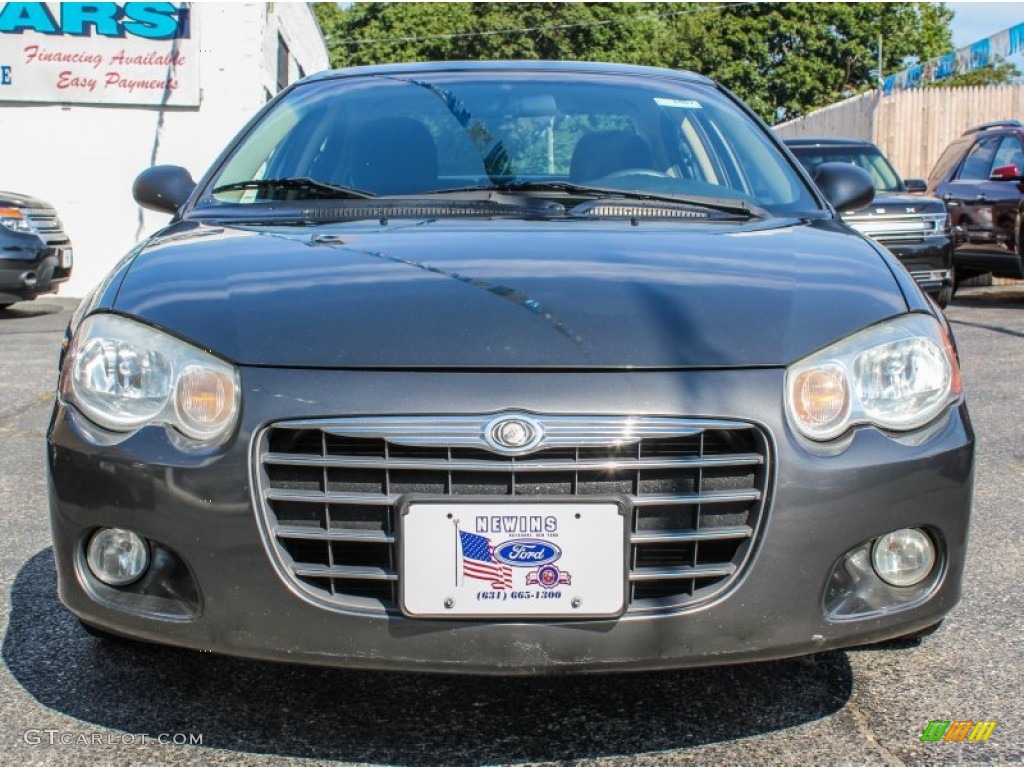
981 197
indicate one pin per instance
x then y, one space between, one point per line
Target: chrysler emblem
513 434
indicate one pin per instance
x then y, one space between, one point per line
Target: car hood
898 204
14 200
511 294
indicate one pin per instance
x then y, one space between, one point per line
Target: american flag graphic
478 561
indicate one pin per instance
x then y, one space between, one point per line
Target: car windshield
429 133
870 159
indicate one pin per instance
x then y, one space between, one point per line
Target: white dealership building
92 94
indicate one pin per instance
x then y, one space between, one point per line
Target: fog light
117 557
904 557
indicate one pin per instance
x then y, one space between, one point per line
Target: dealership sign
99 53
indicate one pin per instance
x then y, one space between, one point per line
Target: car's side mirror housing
845 185
1005 173
163 188
915 185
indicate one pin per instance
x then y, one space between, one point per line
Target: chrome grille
892 227
49 226
328 490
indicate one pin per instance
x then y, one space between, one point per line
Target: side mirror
1005 173
845 185
915 185
163 188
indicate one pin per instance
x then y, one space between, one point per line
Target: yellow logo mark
982 730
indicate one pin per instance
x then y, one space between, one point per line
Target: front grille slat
346 572
354 462
328 491
707 534
333 534
681 572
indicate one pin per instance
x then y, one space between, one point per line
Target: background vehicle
981 178
915 228
35 253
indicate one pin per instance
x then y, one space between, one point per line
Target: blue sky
974 21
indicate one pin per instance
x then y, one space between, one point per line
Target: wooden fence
912 127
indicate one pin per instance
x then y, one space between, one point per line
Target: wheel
945 294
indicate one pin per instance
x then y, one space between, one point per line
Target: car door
1003 196
965 195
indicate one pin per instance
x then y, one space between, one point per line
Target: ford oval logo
527 553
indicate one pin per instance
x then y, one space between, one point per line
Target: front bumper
929 260
41 272
199 508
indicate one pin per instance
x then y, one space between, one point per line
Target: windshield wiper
723 204
299 184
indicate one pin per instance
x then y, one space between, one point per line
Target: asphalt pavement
67 698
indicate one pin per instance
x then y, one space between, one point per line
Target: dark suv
915 228
35 253
981 178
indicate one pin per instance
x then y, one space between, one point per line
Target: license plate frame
600 590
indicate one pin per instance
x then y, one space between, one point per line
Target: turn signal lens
822 397
204 400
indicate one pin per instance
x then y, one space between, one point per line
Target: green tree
784 59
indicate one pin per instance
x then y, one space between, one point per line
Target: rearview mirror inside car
915 185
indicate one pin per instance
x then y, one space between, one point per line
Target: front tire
945 294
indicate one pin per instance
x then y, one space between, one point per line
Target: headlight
936 223
14 220
124 375
898 375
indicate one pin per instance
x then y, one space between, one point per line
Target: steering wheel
636 172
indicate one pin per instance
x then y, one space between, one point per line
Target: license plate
66 258
530 560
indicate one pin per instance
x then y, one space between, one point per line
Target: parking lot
69 699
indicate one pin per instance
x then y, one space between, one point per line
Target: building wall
84 158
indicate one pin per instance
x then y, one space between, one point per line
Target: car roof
827 143
580 67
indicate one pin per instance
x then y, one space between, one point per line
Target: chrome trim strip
683 572
483 465
710 497
344 572
701 534
377 499
471 431
335 534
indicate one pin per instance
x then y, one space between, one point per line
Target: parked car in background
914 227
509 367
981 178
35 253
